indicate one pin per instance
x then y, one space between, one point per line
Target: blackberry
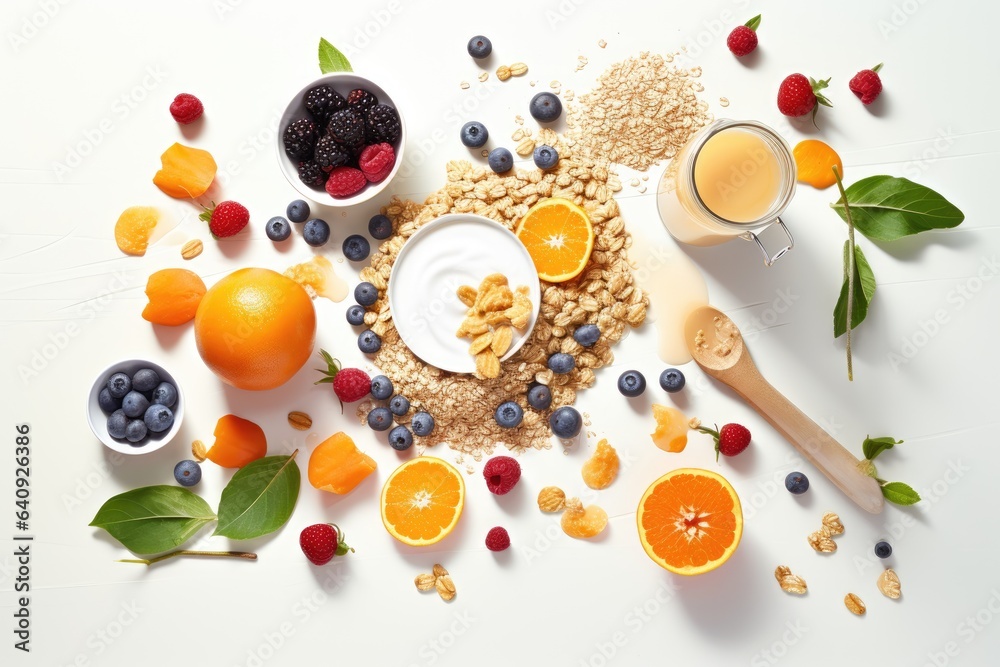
300 138
329 154
311 174
322 102
347 127
361 99
382 124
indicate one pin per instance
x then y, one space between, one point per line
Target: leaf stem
850 271
246 555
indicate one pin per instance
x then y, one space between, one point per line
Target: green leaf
152 519
259 498
753 23
872 447
900 494
864 291
331 59
885 208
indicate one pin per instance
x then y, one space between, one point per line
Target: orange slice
690 521
559 238
422 501
814 161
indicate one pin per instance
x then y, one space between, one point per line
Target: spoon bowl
717 346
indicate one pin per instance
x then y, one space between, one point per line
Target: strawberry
799 95
226 219
743 39
867 84
730 440
349 384
320 542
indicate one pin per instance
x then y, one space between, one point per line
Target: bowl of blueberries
135 407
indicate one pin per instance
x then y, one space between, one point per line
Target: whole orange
255 328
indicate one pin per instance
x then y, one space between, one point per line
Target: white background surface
549 600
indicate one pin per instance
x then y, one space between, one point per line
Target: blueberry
107 402
158 418
380 227
587 335
278 229
369 342
187 473
356 315
145 380
298 211
134 404
117 423
545 107
509 414
316 232
540 397
500 160
474 134
379 419
561 363
545 157
565 422
672 380
399 405
631 384
366 294
883 549
135 431
422 423
381 387
400 438
119 384
164 394
480 47
796 483
356 248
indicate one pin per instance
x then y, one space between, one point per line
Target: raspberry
501 473
742 41
382 124
497 539
300 138
186 108
867 84
347 127
329 154
377 161
361 99
345 181
311 174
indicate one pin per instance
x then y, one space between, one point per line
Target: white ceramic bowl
343 83
98 420
453 250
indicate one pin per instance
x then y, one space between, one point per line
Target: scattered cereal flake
525 147
723 101
642 190
555 84
888 584
601 43
518 135
464 85
694 72
424 582
518 69
503 72
820 541
192 249
300 421
634 182
832 522
645 177
445 587
854 604
199 451
532 83
790 583
569 95
484 152
483 76
519 119
551 499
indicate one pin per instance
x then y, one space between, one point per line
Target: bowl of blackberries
135 407
341 140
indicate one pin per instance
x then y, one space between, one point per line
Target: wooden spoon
717 346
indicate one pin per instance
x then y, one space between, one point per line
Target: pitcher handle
768 259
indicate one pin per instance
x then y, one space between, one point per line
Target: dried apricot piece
671 429
602 467
337 466
134 227
238 441
185 172
174 295
583 522
814 161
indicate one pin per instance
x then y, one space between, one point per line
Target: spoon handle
828 455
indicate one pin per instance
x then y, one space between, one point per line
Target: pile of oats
604 294
643 110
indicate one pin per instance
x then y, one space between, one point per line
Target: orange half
690 521
559 237
422 501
